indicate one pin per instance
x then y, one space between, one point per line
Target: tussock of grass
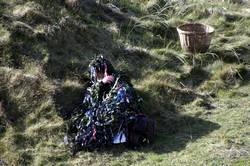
21 10
4 35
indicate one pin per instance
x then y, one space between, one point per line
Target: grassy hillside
202 109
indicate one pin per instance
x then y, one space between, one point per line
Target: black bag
141 131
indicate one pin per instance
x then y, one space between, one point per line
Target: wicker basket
195 37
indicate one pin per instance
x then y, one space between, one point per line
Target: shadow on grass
66 99
174 130
11 114
188 129
195 77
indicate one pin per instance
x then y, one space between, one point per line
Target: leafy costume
108 110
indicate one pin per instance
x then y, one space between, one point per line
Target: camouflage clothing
108 109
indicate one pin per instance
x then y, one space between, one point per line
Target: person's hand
108 79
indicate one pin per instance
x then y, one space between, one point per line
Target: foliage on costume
104 118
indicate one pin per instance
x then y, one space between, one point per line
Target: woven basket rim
211 29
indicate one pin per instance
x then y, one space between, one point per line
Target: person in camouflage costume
110 106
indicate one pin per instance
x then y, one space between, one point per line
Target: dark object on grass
140 131
195 37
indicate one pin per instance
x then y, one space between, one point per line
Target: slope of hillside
202 110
